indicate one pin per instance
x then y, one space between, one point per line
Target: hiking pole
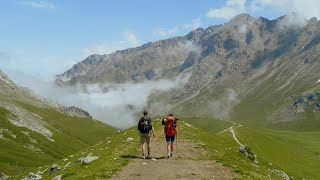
177 143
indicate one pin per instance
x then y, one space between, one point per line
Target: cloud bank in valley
118 106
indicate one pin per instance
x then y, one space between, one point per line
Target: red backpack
170 126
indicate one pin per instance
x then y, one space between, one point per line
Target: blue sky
44 38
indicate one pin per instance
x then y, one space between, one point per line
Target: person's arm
164 121
153 133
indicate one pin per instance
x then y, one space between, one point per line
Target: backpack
170 127
144 125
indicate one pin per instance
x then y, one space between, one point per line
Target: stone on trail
130 139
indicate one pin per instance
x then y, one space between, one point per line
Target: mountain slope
35 131
244 66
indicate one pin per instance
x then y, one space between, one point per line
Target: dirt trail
234 135
185 163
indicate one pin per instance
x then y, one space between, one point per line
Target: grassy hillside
115 152
25 149
296 153
33 132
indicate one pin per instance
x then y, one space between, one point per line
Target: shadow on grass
137 157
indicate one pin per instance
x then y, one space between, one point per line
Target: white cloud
307 8
38 4
100 48
129 40
195 23
229 10
118 106
167 32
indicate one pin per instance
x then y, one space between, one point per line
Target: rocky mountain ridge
244 55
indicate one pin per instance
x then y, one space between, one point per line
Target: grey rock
57 177
54 168
87 159
3 176
75 111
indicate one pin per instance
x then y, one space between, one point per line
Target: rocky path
185 163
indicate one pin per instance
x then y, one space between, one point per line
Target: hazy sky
44 38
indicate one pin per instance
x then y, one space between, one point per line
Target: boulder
87 159
3 176
54 168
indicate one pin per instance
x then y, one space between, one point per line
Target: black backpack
144 125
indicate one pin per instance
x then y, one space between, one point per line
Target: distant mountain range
247 69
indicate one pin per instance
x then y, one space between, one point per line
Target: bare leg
168 148
142 149
148 146
171 147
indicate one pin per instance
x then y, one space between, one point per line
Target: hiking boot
143 157
171 155
168 157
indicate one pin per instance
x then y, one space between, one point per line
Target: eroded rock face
311 100
75 111
241 54
24 118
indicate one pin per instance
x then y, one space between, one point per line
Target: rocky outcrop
3 176
87 159
246 151
75 111
54 168
311 101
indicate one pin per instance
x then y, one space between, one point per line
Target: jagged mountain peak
219 56
241 19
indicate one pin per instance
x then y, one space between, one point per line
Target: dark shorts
144 137
170 138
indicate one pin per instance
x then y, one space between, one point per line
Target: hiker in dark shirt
145 126
170 124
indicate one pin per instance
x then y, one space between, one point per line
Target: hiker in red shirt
170 124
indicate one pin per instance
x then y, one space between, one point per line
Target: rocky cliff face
244 54
75 111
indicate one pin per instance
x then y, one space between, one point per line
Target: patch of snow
302 48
